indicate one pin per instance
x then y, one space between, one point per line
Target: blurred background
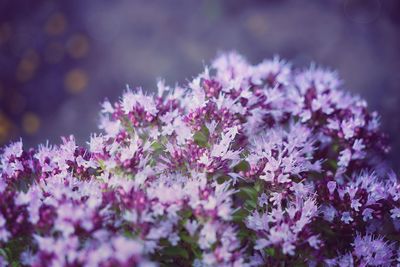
60 59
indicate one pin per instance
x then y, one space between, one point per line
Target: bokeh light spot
5 128
30 123
56 24
76 81
78 46
257 25
27 66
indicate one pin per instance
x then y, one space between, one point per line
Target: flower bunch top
246 165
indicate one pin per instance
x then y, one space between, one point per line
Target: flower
373 251
245 165
346 217
395 213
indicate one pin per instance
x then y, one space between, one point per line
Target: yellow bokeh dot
257 25
56 24
27 67
78 46
5 128
30 123
75 81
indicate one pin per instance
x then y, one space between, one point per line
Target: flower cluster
246 165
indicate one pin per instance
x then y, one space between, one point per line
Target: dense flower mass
246 165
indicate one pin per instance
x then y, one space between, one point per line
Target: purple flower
395 213
245 165
373 251
346 217
331 186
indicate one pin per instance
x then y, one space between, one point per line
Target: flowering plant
246 165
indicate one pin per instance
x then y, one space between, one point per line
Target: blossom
372 251
395 213
331 186
346 217
245 165
191 227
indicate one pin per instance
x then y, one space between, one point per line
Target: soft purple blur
60 59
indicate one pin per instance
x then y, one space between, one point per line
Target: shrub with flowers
246 165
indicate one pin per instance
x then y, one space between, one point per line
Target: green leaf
251 192
242 166
250 204
333 164
129 234
156 146
270 251
201 139
175 252
188 239
259 185
186 214
240 215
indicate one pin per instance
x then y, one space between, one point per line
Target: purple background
60 59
